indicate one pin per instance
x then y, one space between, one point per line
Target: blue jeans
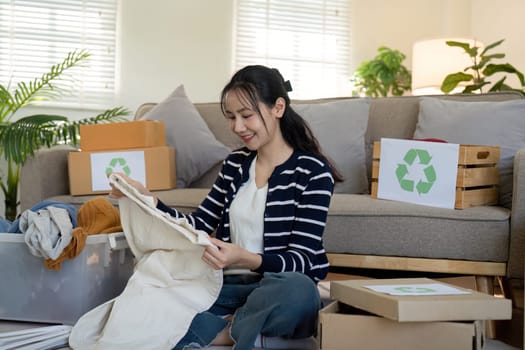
275 305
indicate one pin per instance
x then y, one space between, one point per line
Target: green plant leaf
10 190
22 138
485 59
452 80
471 51
42 88
499 86
490 46
506 67
5 97
474 87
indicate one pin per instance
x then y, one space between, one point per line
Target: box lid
420 307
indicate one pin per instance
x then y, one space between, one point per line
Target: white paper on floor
37 338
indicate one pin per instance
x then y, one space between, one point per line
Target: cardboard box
342 327
154 167
471 306
122 135
477 179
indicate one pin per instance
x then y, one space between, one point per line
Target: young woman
268 208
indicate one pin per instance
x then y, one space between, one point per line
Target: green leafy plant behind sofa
481 69
384 75
19 139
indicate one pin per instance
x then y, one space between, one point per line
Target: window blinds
34 35
308 41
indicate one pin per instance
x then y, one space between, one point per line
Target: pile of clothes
57 231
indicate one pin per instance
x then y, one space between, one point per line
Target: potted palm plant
19 139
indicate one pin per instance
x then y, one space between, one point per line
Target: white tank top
247 217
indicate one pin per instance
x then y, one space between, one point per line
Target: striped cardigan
299 193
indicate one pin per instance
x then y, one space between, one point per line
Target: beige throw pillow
340 128
196 148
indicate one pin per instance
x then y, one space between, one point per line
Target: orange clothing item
95 216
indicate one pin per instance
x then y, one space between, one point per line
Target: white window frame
307 40
37 34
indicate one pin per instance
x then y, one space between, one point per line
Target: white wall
398 24
165 43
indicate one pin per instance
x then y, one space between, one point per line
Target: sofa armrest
517 222
44 175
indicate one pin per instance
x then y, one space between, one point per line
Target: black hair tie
288 85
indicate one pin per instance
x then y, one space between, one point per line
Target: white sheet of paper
131 163
417 289
418 172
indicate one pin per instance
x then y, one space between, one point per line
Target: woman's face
247 123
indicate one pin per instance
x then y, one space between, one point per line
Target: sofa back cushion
394 117
340 128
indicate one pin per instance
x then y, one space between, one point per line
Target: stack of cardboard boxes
135 148
414 313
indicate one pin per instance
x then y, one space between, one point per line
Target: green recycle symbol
421 290
422 186
121 162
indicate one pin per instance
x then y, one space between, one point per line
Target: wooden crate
477 180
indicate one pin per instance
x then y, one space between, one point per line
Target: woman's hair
258 83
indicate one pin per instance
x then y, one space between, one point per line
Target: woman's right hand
116 193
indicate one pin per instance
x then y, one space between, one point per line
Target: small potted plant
384 75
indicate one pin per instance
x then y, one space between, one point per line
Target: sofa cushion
196 148
340 128
478 123
359 224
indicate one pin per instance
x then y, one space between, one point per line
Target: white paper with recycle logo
418 172
170 285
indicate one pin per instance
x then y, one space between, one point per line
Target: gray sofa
361 232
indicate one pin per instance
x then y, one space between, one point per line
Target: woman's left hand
225 254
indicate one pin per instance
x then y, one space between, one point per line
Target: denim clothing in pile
8 226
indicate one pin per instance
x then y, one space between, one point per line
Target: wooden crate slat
373 192
481 176
474 155
466 198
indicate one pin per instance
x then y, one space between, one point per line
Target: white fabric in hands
170 285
